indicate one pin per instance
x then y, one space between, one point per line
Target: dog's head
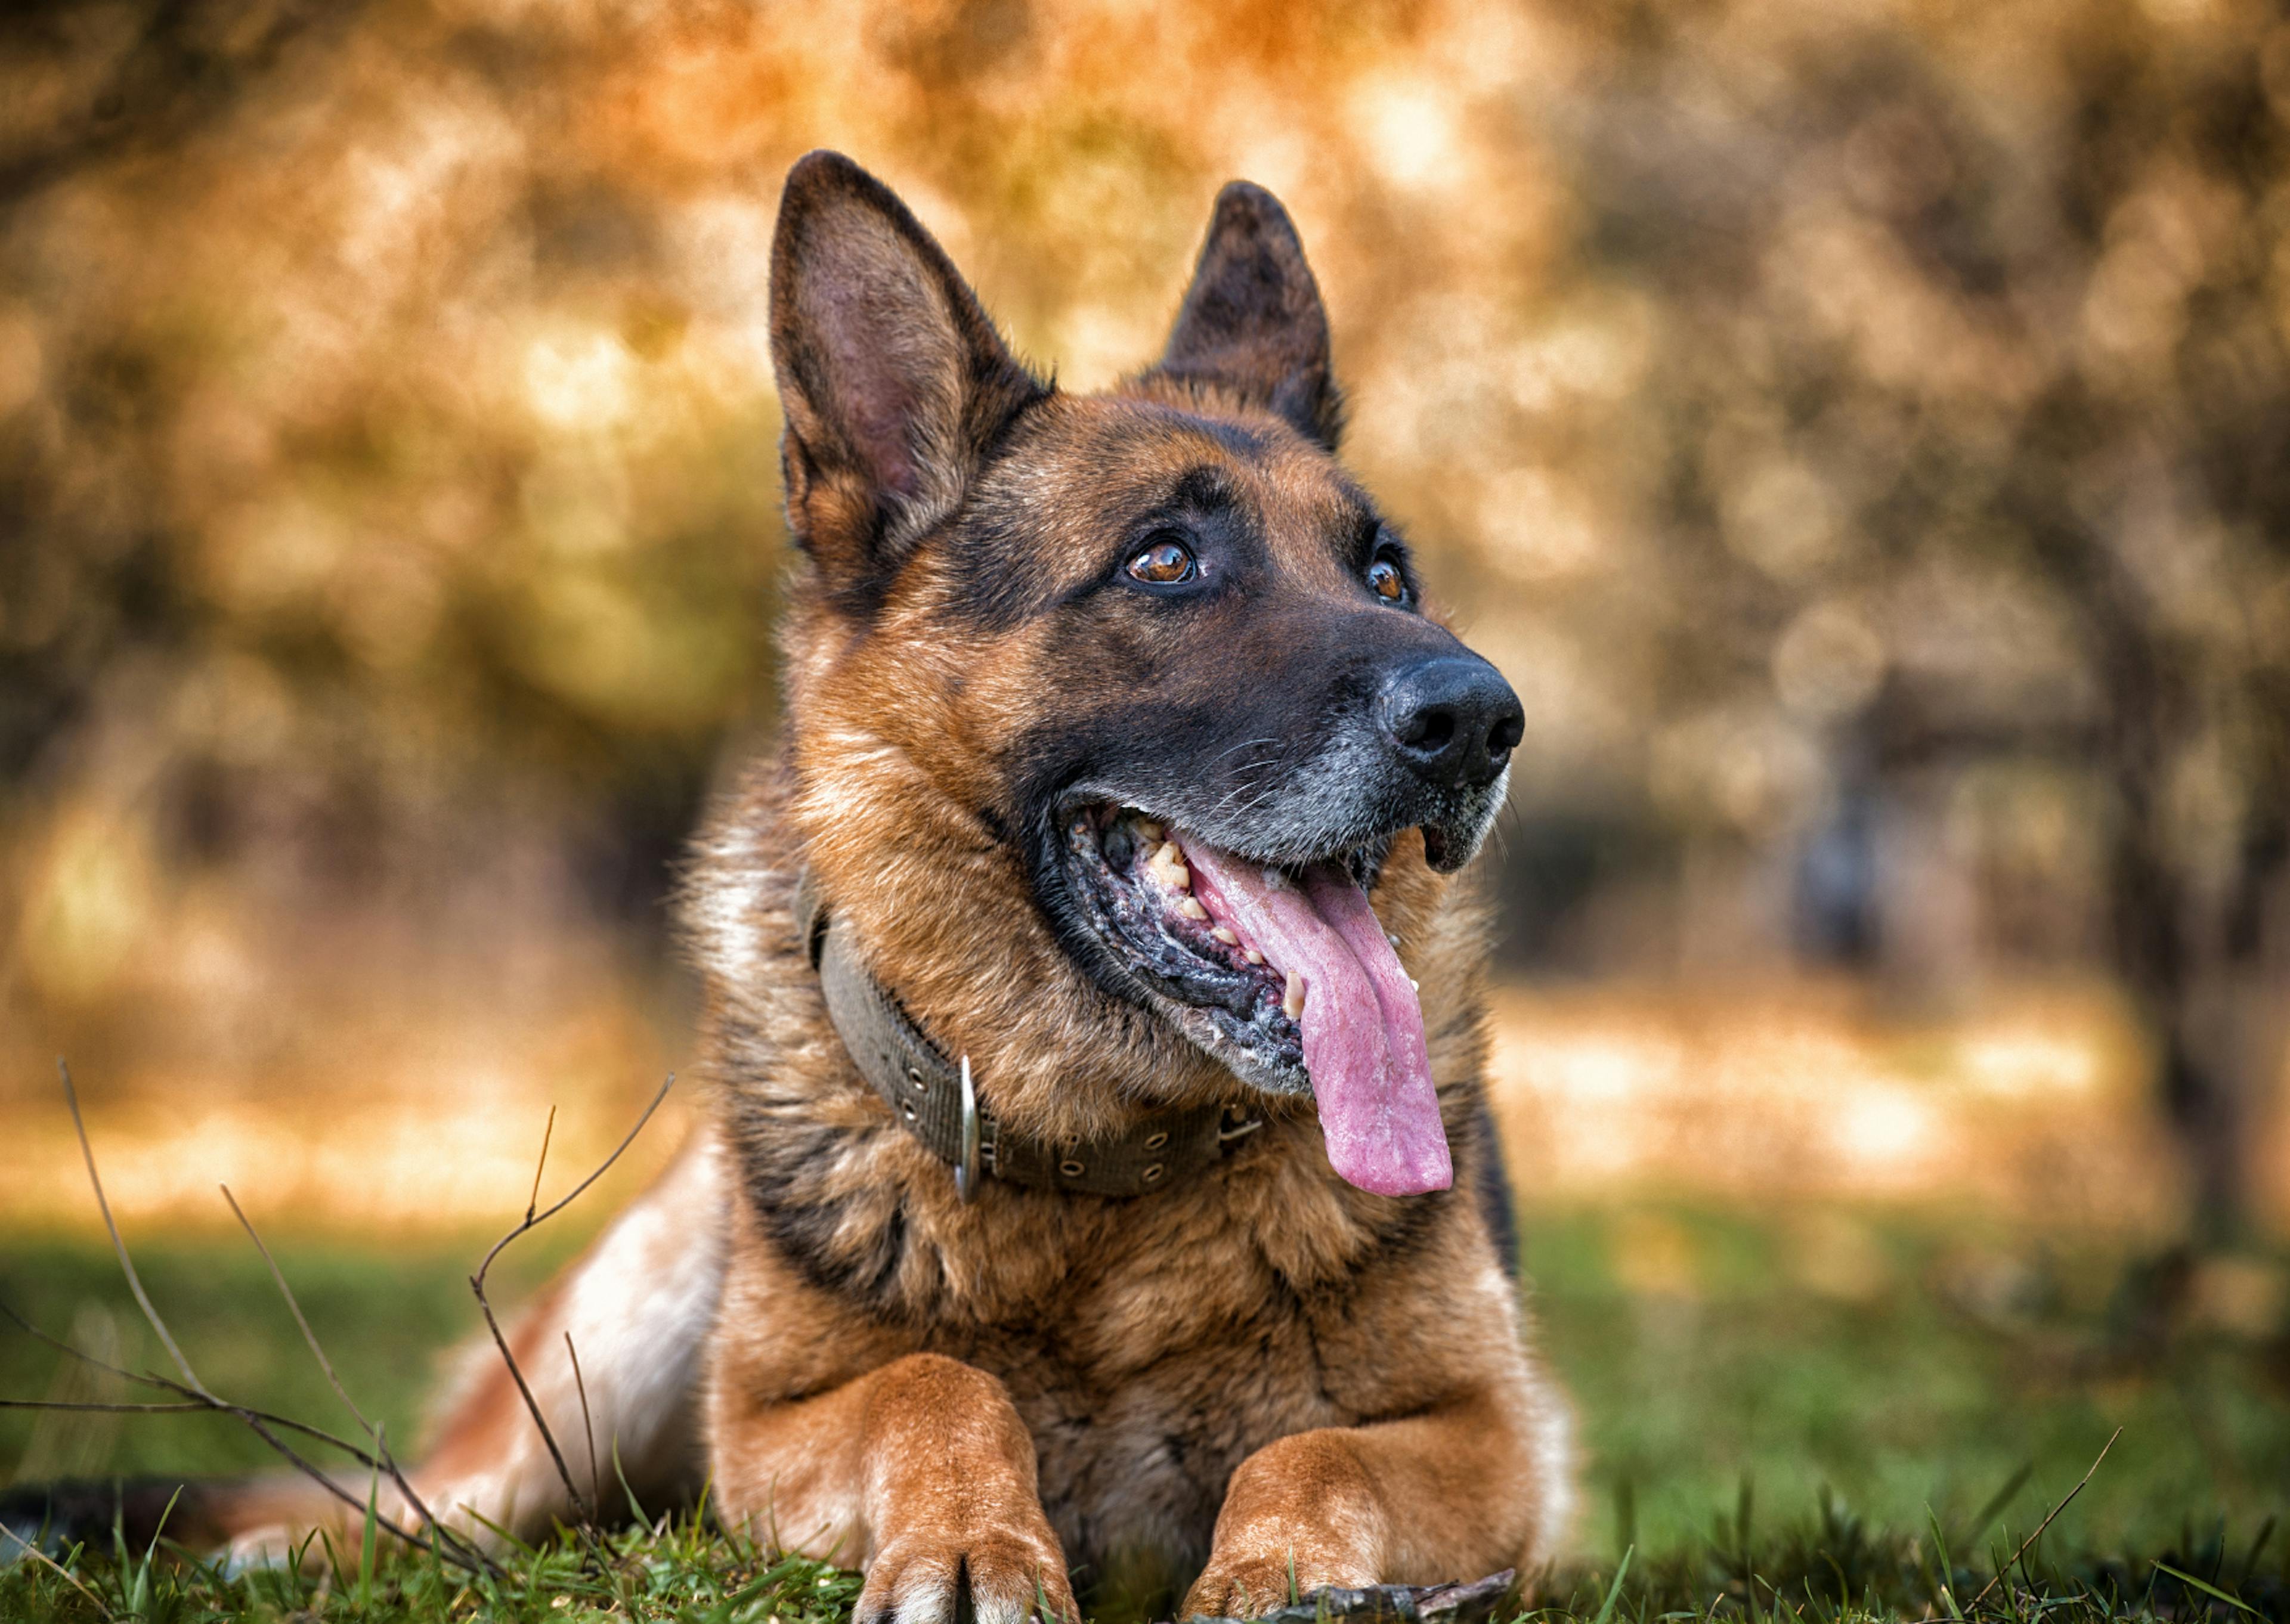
1121 703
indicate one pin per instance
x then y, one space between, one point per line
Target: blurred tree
1981 388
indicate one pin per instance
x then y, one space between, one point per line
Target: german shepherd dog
1095 1168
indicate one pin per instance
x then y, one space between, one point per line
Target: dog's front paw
1010 1575
1246 1579
1298 1515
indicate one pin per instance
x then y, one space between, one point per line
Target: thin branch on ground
64 1573
261 1423
192 1408
194 1403
2046 1523
587 1425
279 1278
548 1133
126 1263
388 1462
533 1220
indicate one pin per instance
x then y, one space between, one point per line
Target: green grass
1962 1359
1789 1419
683 1569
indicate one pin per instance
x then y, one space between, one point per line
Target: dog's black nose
1453 719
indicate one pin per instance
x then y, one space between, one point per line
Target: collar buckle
937 1101
966 1171
1237 1124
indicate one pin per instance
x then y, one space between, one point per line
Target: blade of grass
635 1506
1615 1590
139 1600
2208 1590
2257 1548
1944 1567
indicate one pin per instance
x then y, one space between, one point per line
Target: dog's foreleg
1464 1491
920 1472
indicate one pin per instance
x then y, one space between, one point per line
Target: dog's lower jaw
1087 858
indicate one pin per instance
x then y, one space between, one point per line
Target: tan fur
1261 1371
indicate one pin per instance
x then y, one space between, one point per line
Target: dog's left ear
893 381
1251 327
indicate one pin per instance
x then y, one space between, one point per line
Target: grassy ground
1784 1416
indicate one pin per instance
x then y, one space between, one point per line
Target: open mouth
1283 973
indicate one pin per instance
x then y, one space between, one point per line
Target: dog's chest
1158 1366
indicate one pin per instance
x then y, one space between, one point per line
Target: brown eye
1385 581
1164 564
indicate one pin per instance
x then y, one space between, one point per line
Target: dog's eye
1385 581
1164 564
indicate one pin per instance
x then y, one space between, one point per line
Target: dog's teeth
1292 1002
1417 985
1223 933
1192 910
1167 865
1392 937
1252 956
1147 829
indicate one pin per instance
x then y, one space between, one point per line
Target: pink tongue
1363 1027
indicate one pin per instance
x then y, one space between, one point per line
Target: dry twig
43 1404
195 1396
587 1425
261 1423
63 1573
194 1403
126 1263
533 1220
2046 1523
387 1461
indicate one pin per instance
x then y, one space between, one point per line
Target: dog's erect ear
1252 325
893 381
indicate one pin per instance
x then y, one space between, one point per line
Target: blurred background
1860 431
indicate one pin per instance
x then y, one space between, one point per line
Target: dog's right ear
893 381
1251 328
